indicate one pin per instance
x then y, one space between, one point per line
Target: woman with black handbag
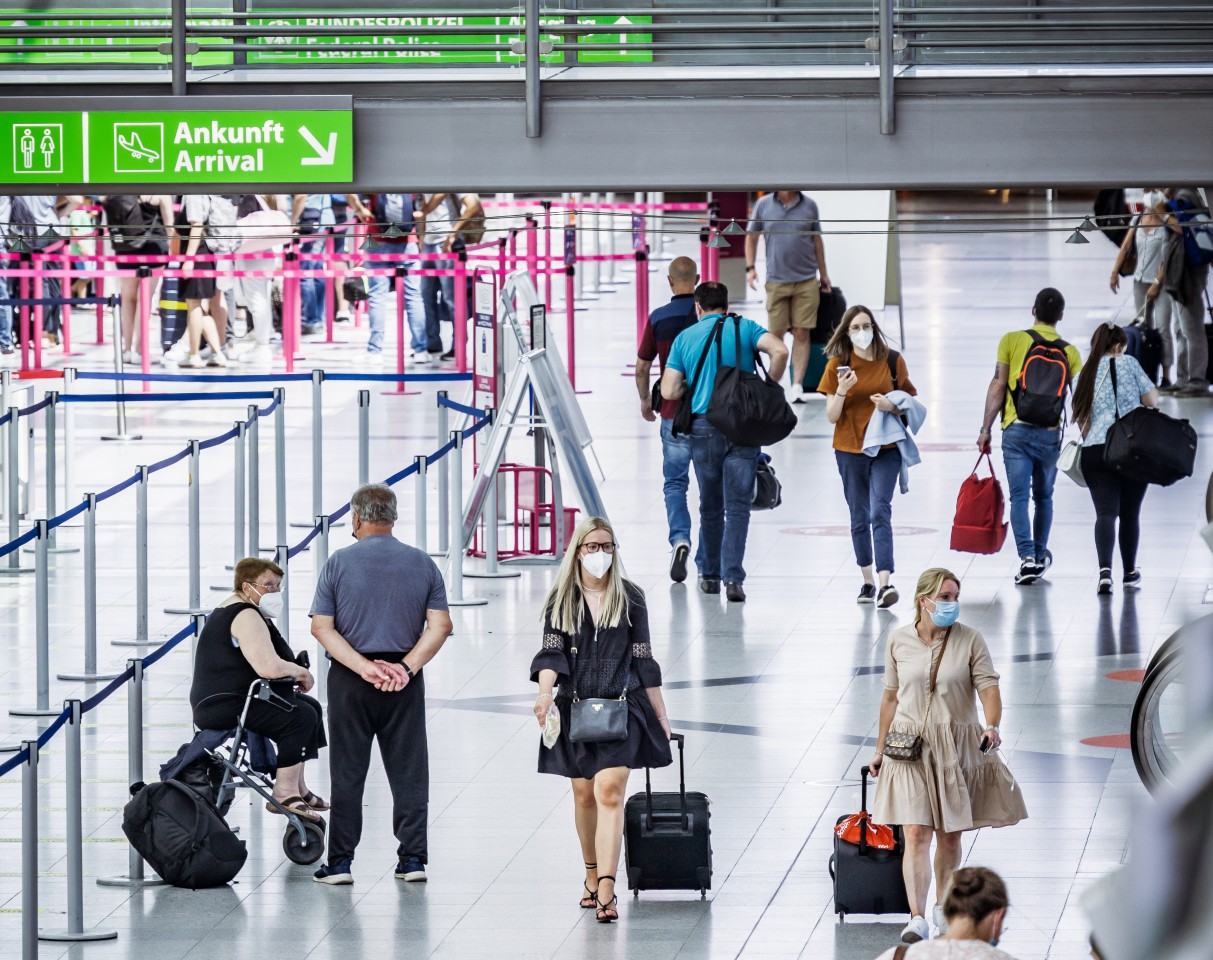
599 701
1098 403
937 767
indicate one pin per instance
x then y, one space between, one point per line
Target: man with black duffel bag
714 355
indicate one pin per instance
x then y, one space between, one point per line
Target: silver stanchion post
120 385
75 839
29 852
50 428
141 639
455 597
69 436
420 519
444 479
322 557
134 773
90 598
41 707
492 568
237 504
280 463
195 535
13 447
317 445
254 480
6 392
608 266
282 557
364 437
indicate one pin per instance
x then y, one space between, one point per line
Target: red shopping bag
978 526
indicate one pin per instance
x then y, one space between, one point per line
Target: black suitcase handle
863 805
682 786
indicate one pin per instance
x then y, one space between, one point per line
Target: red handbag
978 526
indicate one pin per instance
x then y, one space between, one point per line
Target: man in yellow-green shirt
1031 434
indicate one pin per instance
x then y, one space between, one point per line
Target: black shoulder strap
891 359
714 337
1037 339
1115 391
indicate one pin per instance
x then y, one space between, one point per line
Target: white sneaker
192 362
167 360
374 359
796 394
421 358
259 354
917 929
217 360
129 356
342 318
940 921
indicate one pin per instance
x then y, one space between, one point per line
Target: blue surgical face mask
946 612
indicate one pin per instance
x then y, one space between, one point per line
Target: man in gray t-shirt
381 614
787 221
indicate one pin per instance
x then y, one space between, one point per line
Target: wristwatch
749 267
407 669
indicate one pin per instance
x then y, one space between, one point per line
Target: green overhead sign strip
197 147
401 45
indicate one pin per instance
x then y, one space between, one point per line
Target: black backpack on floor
182 836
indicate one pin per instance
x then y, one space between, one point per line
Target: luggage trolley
303 841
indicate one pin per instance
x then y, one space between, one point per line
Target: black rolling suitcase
667 836
867 878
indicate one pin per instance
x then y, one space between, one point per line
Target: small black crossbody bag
598 719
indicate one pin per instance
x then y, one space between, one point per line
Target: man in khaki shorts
796 258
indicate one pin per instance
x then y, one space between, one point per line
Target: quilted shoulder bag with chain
901 745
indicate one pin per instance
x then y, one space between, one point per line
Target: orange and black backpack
1040 392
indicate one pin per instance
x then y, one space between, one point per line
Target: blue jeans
868 484
676 468
6 317
438 294
726 493
1030 455
313 291
383 301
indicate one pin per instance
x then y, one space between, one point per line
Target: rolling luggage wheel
294 849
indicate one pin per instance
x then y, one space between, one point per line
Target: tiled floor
778 697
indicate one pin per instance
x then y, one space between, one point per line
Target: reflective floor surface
777 697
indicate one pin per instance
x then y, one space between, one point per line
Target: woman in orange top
858 374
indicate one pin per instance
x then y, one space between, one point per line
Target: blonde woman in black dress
594 609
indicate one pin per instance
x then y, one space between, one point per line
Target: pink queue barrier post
502 264
705 260
570 313
402 273
547 253
65 311
289 332
39 322
145 324
642 294
512 263
532 250
26 312
459 335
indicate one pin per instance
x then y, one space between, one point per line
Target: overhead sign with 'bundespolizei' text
194 147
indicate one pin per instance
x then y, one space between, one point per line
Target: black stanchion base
158 642
88 677
67 936
131 882
123 437
34 712
15 570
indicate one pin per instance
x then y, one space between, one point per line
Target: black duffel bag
750 409
830 309
768 491
1148 446
182 836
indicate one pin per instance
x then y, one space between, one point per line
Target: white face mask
597 564
270 603
862 339
1152 197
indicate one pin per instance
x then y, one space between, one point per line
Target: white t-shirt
949 950
440 220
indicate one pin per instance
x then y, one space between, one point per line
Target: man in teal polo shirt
724 470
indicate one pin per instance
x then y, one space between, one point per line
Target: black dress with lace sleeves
602 671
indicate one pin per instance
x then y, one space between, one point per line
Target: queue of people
189 232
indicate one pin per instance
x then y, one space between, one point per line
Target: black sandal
590 900
606 912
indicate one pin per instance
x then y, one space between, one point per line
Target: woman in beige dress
954 786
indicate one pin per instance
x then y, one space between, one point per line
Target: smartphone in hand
843 369
985 745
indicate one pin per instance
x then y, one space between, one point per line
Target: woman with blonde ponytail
596 642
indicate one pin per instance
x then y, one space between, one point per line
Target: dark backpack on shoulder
182 836
134 227
1039 396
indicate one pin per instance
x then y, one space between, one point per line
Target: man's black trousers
358 714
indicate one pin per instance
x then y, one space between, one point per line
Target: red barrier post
547 254
642 294
532 250
24 286
101 321
145 323
501 261
460 333
570 312
65 312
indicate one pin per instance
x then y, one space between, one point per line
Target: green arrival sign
202 147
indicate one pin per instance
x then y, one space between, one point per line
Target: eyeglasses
590 547
269 587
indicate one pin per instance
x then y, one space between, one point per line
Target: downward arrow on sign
325 157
